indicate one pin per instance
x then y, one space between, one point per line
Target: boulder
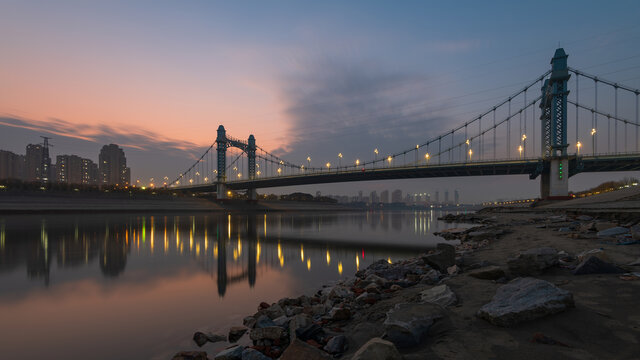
190 355
282 321
339 292
595 265
533 261
453 270
368 298
253 354
525 299
249 322
202 338
584 218
264 321
443 258
487 273
274 311
377 349
269 333
407 323
311 332
236 332
441 295
297 322
339 314
336 345
613 232
232 353
299 350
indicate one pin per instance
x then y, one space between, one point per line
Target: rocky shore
526 285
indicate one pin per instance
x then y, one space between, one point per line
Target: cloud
130 136
353 108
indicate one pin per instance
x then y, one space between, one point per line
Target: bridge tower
554 182
252 195
221 148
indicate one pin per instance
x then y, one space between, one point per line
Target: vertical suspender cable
595 135
637 124
615 123
577 88
509 131
524 139
494 133
481 138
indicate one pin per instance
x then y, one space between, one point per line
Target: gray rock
336 345
487 273
274 311
297 322
202 338
249 322
253 354
377 349
190 355
339 314
525 299
264 321
441 295
233 353
339 292
236 332
299 350
367 298
373 278
282 321
613 232
453 270
584 218
269 333
533 261
407 323
293 310
431 277
443 258
595 265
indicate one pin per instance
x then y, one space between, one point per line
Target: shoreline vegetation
543 284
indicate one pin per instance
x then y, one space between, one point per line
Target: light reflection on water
246 258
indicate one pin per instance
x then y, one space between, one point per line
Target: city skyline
383 78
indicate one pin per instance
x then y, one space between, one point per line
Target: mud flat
520 285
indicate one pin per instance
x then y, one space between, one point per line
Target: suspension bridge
503 140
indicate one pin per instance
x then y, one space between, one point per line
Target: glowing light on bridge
593 131
328 165
357 162
279 171
470 154
520 150
427 157
578 146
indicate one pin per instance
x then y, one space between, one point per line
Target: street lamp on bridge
470 154
375 157
339 160
520 151
578 146
427 157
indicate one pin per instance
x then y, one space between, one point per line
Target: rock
441 295
584 218
595 265
372 288
253 354
634 263
604 225
533 261
613 232
336 345
339 314
293 310
377 349
368 298
487 273
236 332
233 353
431 277
525 299
249 322
407 323
282 321
274 311
297 322
270 333
443 258
395 287
588 227
453 270
202 338
190 355
310 332
299 350
373 278
635 232
339 292
264 321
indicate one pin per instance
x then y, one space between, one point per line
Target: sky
306 78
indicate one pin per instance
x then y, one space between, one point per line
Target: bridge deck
627 162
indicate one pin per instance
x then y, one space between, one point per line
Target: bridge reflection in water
236 247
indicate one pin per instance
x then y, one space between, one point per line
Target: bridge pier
554 184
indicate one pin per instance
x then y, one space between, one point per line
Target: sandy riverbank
603 323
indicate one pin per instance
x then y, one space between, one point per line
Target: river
137 286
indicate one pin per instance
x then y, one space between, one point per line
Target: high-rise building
384 197
373 197
11 165
456 196
38 163
396 196
113 166
437 197
446 196
72 169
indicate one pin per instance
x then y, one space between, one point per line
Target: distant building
437 197
37 163
72 169
384 197
396 196
456 196
360 196
374 197
446 196
113 166
12 165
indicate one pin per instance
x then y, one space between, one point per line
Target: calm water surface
138 286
